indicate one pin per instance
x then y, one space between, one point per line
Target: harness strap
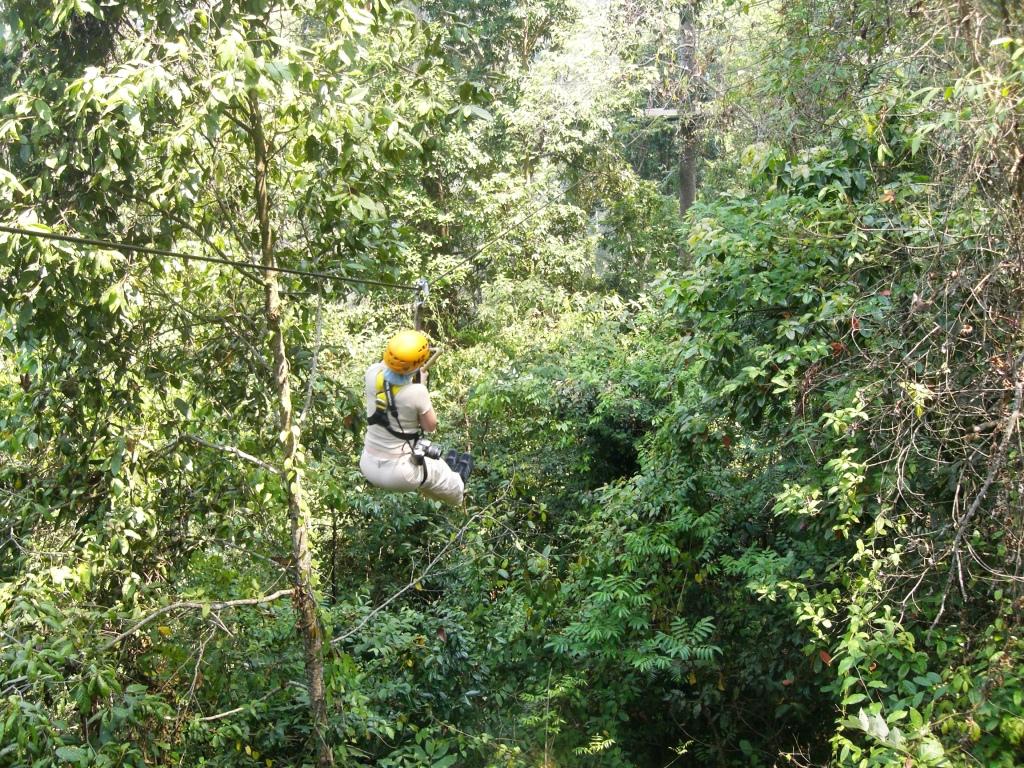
380 419
389 392
385 405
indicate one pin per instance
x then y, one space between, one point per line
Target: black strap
411 439
380 418
389 393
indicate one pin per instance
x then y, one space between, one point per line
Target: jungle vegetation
730 299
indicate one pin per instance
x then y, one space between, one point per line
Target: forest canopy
727 296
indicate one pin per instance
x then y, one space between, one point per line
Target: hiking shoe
464 466
452 460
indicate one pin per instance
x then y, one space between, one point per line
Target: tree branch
232 451
1009 427
230 115
236 710
194 605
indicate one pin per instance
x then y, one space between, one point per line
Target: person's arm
428 419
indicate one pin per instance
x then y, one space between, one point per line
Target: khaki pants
398 473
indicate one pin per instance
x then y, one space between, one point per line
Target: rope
420 287
422 294
150 251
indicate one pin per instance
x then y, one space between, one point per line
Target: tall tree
304 598
687 122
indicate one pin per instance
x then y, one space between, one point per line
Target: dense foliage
748 485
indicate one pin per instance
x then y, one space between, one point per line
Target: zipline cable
150 251
419 287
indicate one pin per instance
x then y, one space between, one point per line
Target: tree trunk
687 116
307 621
687 170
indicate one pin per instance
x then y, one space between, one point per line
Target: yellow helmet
407 351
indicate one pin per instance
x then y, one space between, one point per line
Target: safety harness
387 407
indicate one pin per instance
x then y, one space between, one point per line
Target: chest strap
386 405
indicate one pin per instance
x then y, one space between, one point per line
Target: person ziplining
396 456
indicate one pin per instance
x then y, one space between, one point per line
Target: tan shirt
412 400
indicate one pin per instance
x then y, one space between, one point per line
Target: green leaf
930 750
472 110
71 754
112 298
42 109
117 458
10 180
